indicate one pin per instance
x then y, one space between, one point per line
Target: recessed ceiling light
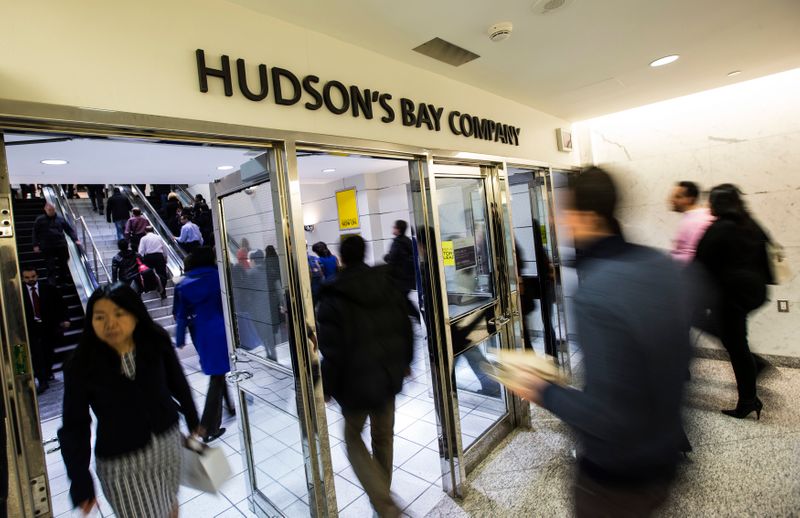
54 161
224 168
329 170
734 73
666 60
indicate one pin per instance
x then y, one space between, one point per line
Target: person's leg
38 357
226 395
367 469
212 412
119 226
550 345
62 256
50 262
595 500
381 424
475 358
734 338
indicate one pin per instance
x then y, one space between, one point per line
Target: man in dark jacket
45 318
125 267
366 341
118 210
49 239
401 260
633 326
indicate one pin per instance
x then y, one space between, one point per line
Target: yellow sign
347 207
447 253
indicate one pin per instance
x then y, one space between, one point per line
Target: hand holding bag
203 468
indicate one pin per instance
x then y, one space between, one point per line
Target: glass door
545 263
273 356
475 261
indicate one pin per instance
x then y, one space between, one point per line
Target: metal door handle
55 441
499 321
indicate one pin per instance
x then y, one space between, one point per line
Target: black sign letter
224 73
362 101
277 74
384 102
407 111
451 120
262 77
326 94
308 86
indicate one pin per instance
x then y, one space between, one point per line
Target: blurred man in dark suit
46 318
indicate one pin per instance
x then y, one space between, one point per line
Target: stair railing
79 222
175 253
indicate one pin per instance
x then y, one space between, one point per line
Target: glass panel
481 400
465 243
257 300
270 409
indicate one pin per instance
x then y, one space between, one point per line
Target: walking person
636 353
733 252
190 237
694 223
329 262
45 319
125 266
126 373
135 228
118 210
50 233
199 298
401 262
154 255
172 213
97 196
366 340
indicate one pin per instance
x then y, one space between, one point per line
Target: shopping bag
203 468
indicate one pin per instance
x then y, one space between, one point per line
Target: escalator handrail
83 277
81 221
175 252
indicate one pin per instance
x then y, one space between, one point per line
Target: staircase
25 213
105 237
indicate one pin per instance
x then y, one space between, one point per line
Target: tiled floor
274 429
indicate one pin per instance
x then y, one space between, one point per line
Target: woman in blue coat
198 303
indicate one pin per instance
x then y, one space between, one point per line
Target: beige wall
140 57
747 134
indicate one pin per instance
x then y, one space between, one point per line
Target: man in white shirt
45 317
154 255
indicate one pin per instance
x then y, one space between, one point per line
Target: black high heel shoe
743 410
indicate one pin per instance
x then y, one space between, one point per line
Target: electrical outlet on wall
783 306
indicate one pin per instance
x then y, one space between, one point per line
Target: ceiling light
331 170
54 161
734 73
224 168
666 60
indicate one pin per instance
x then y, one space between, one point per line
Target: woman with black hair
126 372
733 252
330 263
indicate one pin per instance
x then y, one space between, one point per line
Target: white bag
781 273
203 468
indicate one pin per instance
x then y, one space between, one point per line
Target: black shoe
213 436
231 411
490 392
743 410
42 388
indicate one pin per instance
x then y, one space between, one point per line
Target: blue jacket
198 298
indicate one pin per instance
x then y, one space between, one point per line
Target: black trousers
97 197
42 343
595 500
56 262
732 329
159 265
550 345
190 246
212 412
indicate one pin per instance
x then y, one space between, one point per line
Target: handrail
83 277
175 253
85 233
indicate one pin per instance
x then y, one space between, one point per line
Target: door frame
43 118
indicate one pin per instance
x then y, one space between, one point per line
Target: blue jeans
120 226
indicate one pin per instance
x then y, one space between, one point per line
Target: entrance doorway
285 444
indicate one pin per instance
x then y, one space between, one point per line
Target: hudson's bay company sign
336 97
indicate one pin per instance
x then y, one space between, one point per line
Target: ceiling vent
446 52
549 6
